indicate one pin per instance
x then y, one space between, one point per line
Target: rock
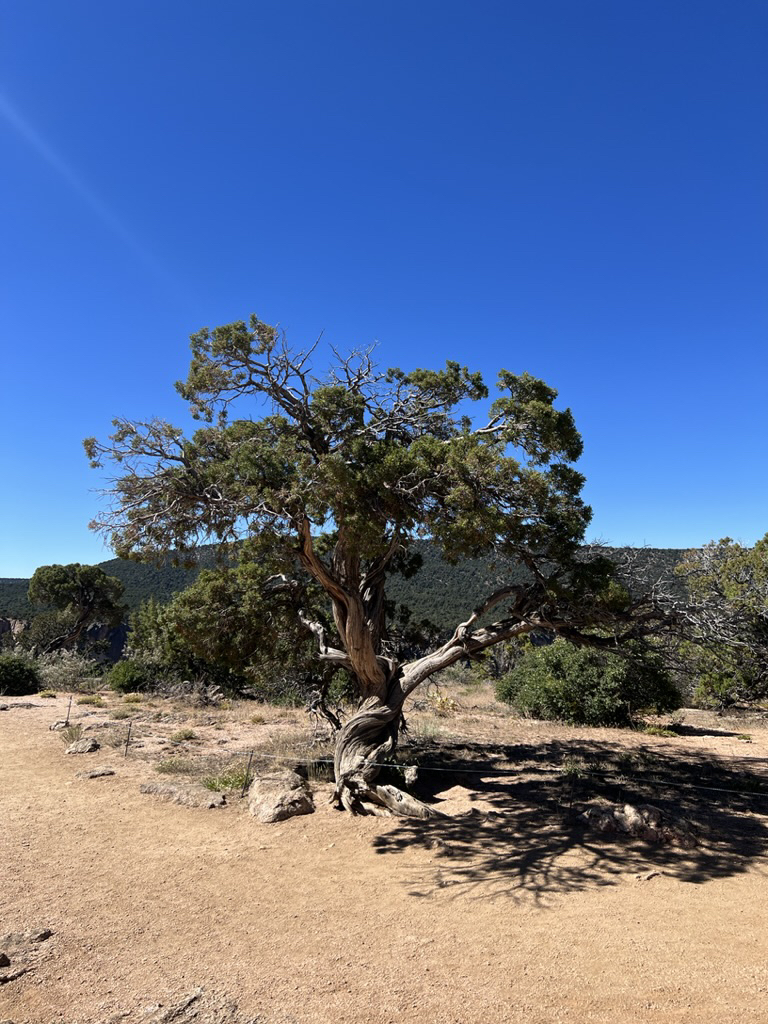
644 822
279 796
4 707
190 795
25 951
15 940
12 975
96 773
84 746
199 1007
57 726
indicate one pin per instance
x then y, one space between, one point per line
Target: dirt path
331 919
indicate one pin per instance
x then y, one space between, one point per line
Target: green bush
128 677
587 686
18 676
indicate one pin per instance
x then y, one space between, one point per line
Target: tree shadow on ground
527 837
696 730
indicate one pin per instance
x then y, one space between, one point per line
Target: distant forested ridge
440 593
445 594
140 581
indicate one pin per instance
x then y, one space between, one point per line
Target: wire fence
619 780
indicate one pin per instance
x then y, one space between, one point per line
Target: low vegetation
19 675
229 779
127 677
587 685
183 736
71 734
177 766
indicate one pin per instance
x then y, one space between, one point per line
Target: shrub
719 689
588 686
68 670
71 734
116 737
19 675
128 676
227 779
177 766
182 735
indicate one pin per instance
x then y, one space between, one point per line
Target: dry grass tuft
71 734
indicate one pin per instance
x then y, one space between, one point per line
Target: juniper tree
725 621
83 594
335 474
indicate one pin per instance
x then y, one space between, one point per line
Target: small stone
13 975
4 960
96 773
190 795
84 746
58 725
16 940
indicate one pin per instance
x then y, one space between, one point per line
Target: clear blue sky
576 188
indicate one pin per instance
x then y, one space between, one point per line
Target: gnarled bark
366 740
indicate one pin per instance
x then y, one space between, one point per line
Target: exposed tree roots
362 746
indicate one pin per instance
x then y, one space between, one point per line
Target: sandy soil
520 914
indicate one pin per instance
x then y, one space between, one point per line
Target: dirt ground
511 909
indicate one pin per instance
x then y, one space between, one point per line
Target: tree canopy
83 593
334 476
726 620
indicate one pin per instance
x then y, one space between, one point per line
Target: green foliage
84 594
333 478
183 735
19 676
227 628
14 599
227 619
44 630
128 677
348 450
727 649
228 780
587 685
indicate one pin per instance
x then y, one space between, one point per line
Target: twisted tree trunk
362 746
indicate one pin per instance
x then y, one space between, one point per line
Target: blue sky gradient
578 190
